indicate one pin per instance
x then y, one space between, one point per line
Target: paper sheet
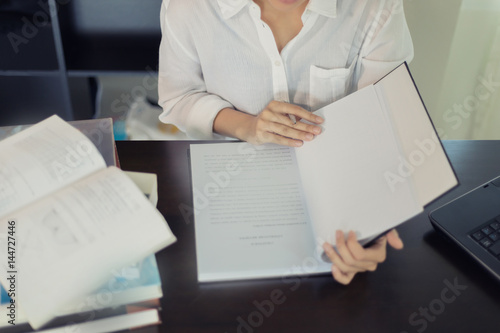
250 215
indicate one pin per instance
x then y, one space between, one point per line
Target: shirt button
277 63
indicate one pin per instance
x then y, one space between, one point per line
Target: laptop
473 222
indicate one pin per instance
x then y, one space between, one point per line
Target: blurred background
457 64
98 58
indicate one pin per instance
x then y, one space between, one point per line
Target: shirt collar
231 7
324 7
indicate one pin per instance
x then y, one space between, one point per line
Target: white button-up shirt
219 53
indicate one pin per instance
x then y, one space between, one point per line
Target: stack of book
130 299
77 234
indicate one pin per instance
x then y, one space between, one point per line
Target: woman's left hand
350 257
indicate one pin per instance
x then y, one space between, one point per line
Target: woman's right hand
271 125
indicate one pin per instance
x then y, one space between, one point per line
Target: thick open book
67 221
265 211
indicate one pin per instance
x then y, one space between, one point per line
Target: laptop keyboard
488 236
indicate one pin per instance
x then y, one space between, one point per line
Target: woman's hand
274 125
350 257
271 125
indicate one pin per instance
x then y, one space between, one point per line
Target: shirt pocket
328 85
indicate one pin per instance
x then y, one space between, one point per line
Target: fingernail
298 143
317 130
319 119
309 136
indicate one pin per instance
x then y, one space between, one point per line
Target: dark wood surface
410 292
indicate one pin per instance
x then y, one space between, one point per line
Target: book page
41 160
69 244
250 215
343 171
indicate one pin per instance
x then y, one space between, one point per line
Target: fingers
297 111
394 240
266 135
274 125
282 125
341 277
350 257
375 253
339 271
355 258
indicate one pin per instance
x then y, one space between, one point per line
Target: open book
265 211
66 221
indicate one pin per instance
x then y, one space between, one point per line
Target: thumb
394 240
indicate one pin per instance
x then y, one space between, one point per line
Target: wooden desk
410 292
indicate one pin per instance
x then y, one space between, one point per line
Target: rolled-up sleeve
387 44
181 89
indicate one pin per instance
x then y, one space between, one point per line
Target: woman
253 70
